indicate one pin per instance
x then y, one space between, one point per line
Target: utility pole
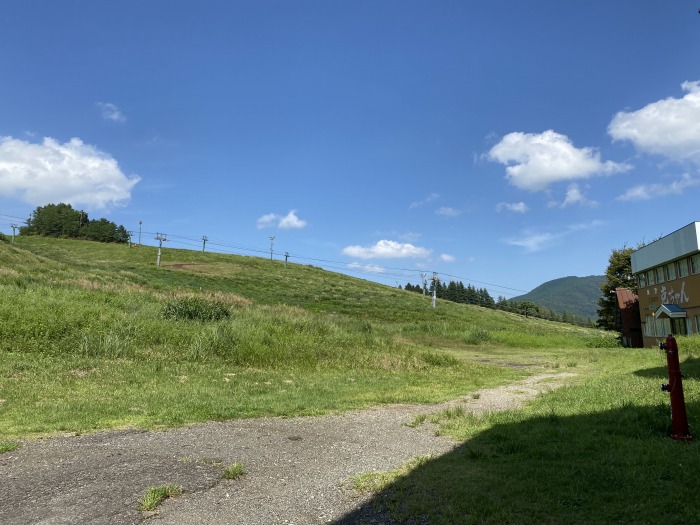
160 238
204 242
129 233
286 256
435 281
425 282
14 227
272 243
140 232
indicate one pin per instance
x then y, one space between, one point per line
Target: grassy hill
297 339
96 336
575 295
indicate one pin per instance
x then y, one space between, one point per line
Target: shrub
196 309
477 336
603 342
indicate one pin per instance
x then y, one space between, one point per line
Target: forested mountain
574 295
458 293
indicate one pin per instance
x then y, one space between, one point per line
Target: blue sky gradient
500 143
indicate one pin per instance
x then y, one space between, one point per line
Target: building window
658 275
642 280
682 268
650 278
695 264
696 324
670 271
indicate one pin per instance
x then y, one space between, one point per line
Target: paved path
296 468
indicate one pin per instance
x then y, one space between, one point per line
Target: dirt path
295 467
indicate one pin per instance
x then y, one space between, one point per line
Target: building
627 319
668 279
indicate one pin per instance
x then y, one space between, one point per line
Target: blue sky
501 143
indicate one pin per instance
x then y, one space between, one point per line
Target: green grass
96 336
156 495
8 446
233 471
212 336
597 451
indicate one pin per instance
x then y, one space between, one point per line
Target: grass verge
8 446
595 452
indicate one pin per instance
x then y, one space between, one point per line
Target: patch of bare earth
296 468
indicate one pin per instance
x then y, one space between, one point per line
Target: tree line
458 293
61 220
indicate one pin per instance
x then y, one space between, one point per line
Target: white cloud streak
371 268
385 249
110 112
516 207
73 173
286 222
430 198
535 160
446 257
533 242
645 192
669 127
536 241
448 212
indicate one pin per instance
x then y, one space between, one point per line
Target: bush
196 309
477 336
603 342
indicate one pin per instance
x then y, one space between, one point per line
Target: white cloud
448 212
534 161
669 127
430 198
517 207
652 191
268 220
574 195
533 242
291 222
288 222
410 236
536 241
387 250
581 226
446 257
73 173
372 268
111 112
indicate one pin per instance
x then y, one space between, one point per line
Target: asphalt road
297 469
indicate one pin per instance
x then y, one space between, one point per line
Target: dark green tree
617 275
61 220
55 220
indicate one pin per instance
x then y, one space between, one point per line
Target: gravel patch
297 469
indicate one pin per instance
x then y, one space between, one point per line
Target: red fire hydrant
679 419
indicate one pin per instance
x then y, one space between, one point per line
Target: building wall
678 244
673 282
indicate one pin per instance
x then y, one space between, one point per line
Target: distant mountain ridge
575 295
